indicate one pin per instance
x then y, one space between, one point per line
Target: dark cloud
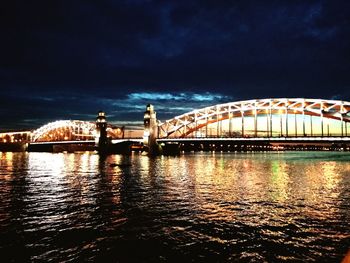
68 59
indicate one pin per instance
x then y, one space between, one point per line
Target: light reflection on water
222 207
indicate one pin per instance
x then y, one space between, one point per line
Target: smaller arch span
64 130
267 118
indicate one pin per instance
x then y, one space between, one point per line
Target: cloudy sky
68 59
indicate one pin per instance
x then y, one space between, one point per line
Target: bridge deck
261 139
208 139
138 140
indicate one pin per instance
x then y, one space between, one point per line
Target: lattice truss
11 137
65 130
72 130
185 124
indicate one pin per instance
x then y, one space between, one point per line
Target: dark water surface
203 207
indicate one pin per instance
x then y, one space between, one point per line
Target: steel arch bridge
71 130
64 130
279 117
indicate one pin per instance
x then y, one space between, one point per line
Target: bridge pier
40 148
13 147
150 133
101 132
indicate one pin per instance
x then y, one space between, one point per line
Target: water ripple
287 207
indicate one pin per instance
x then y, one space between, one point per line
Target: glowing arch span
77 128
185 124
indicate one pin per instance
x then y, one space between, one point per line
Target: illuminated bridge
294 120
62 133
257 123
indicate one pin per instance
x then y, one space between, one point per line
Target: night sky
69 59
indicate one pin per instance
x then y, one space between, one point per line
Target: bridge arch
65 130
279 117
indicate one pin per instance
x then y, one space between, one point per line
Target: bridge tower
101 128
150 133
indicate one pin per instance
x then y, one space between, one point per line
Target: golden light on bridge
262 118
265 118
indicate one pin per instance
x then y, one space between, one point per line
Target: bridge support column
321 114
281 126
101 139
230 123
150 133
342 124
271 127
242 116
304 131
267 124
255 122
312 133
295 124
286 116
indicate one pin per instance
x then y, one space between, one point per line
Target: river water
212 207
